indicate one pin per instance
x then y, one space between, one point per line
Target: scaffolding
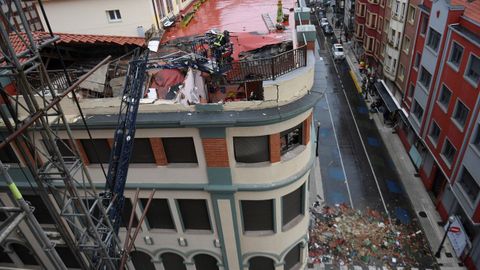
38 129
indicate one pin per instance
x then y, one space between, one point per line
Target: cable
62 63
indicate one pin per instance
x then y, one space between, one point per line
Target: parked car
337 51
323 22
327 29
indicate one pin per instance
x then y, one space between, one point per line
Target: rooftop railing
268 68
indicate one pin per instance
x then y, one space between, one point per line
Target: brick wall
306 130
216 153
82 153
158 151
274 143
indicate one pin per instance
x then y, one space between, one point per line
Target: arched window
205 262
261 263
292 259
25 254
141 260
172 261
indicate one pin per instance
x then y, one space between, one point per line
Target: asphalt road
355 166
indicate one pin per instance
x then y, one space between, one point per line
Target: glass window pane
251 149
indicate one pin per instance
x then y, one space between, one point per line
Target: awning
386 96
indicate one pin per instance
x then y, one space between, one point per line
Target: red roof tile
472 8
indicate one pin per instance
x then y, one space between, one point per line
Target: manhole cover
422 214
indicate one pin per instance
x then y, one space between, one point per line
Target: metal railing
268 68
57 78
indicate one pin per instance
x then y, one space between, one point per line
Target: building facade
442 105
111 17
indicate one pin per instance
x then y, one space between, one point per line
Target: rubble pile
344 236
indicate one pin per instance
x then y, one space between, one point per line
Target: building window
26 255
418 58
7 155
257 215
67 256
261 263
433 40
476 139
205 262
417 111
470 187
425 78
97 150
434 132
41 212
172 261
456 54
372 20
472 73
291 138
423 25
406 45
142 151
369 44
411 14
158 215
194 214
401 72
380 24
385 28
444 98
460 114
411 91
180 150
127 211
292 205
251 149
448 151
114 15
292 259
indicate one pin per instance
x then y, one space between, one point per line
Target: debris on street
344 236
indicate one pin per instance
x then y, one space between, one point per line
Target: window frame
453 65
465 190
442 154
414 109
476 139
430 39
117 15
423 26
244 161
434 140
459 125
148 223
420 76
471 56
401 72
406 49
411 91
410 18
444 106
244 207
189 160
416 64
285 200
290 146
182 220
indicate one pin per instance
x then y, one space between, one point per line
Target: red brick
158 151
275 154
216 153
82 153
307 124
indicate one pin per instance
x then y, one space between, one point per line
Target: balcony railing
268 68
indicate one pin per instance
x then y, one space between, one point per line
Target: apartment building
111 17
230 172
442 104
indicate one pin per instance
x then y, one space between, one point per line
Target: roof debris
344 236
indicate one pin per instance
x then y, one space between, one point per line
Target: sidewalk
414 188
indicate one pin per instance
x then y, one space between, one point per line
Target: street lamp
451 219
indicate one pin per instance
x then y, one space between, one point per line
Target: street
355 167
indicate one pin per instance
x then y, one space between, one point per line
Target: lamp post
451 219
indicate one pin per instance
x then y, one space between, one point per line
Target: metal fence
268 68
57 78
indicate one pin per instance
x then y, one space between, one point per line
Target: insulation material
164 79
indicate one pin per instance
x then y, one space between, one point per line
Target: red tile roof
472 8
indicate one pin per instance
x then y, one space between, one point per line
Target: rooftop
472 8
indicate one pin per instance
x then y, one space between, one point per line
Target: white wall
90 17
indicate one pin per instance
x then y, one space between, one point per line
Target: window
411 14
67 256
180 150
401 72
380 24
205 262
448 151
425 78
411 91
370 44
423 26
158 215
291 138
470 187
406 44
418 58
444 98
64 148
292 205
417 111
476 139
461 113
261 263
361 10
142 151
7 155
433 40
385 28
251 149
372 20
194 214
25 254
257 215
292 259
172 261
41 212
127 211
456 54
97 150
114 15
434 132
472 73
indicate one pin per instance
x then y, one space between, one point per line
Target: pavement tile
336 173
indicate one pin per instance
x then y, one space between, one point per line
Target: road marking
339 152
354 78
365 150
